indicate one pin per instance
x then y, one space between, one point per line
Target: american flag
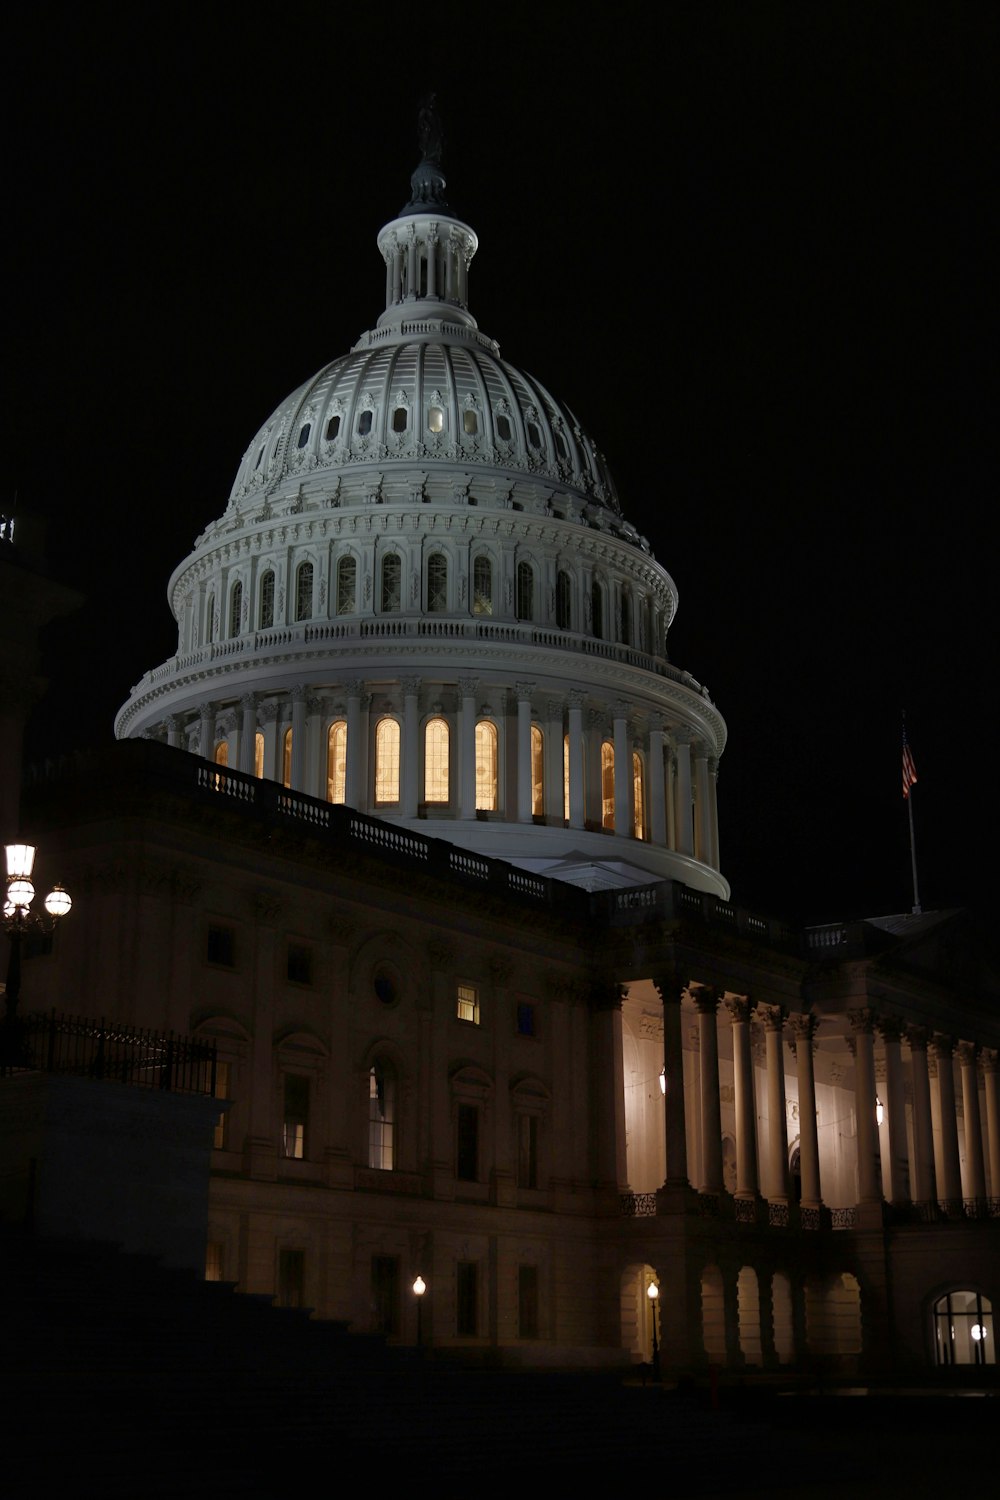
909 769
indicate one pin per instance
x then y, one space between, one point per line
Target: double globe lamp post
20 921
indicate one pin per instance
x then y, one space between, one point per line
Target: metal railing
74 1046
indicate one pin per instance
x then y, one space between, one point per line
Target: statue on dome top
429 129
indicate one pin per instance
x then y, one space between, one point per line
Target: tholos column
354 774
746 1113
411 747
803 1028
891 1029
862 1045
685 810
773 1018
174 726
554 798
298 739
524 690
990 1056
206 731
657 786
623 772
707 1002
467 746
703 830
924 1180
713 810
949 1171
577 806
967 1056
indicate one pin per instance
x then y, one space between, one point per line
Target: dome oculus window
435 419
304 434
364 424
400 419
332 428
471 423
525 591
392 584
482 586
503 428
267 601
304 591
235 608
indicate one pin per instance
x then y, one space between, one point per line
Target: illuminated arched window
566 777
537 771
437 583
608 785
286 759
267 601
304 591
222 753
336 762
392 583
482 586
563 600
235 608
486 766
436 757
525 591
381 1117
638 798
210 620
347 585
597 609
258 754
386 761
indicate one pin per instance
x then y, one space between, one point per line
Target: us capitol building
417 834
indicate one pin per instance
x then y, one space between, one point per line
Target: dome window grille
437 584
304 591
336 762
563 598
235 608
347 585
392 584
400 419
267 601
332 428
364 423
386 762
525 591
304 432
608 786
471 423
435 419
436 761
482 586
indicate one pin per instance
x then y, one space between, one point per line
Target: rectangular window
527 1151
220 946
296 1121
467 1143
527 1302
213 1260
467 1299
292 1278
221 1092
298 964
525 1018
385 1293
467 1008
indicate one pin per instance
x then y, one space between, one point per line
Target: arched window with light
258 755
267 600
381 1116
486 766
436 760
638 798
336 762
482 586
963 1329
221 756
608 785
392 583
386 762
437 584
537 772
347 585
304 591
286 759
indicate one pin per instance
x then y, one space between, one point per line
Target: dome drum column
524 690
576 760
411 747
657 787
623 771
685 810
467 746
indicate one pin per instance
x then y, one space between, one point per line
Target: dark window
503 428
292 1278
527 1302
300 964
385 1293
597 610
563 601
534 436
527 1151
525 591
304 591
296 1120
467 1153
235 609
332 428
221 946
364 423
525 1018
392 583
385 987
437 584
347 585
467 1299
399 419
304 435
267 601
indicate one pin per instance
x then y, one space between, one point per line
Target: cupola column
924 1184
703 832
773 1018
655 780
432 244
577 807
899 1166
746 1111
862 1045
975 1175
623 772
467 745
990 1056
412 284
949 1170
803 1028
396 264
411 746
524 690
685 825
707 1002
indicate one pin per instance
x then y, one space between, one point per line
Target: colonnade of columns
677 772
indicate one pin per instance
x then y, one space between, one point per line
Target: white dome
423 549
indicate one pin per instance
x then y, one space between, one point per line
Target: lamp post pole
19 919
419 1288
653 1293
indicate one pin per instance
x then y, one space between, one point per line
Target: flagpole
909 782
913 857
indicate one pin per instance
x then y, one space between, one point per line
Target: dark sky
753 246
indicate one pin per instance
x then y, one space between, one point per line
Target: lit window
304 434
435 419
332 428
525 1018
336 762
347 585
486 766
386 762
304 591
482 586
296 1116
467 1006
525 591
381 1117
213 1260
563 600
566 777
267 601
467 1143
437 584
258 754
963 1329
471 423
286 759
392 583
221 756
436 756
537 772
364 424
638 799
292 1278
221 1092
399 419
608 785
235 608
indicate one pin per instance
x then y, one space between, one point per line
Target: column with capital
657 785
746 1110
713 811
467 687
299 697
612 1159
924 1179
949 1170
594 789
206 731
990 1056
411 747
968 1054
891 1029
703 828
524 800
248 732
803 1029
773 1019
862 1045
671 991
174 726
554 796
577 804
623 771
685 809
706 1001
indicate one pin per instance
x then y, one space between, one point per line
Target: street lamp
653 1292
19 920
419 1288
879 1110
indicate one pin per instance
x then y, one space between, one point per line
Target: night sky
754 248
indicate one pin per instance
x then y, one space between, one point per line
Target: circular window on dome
386 985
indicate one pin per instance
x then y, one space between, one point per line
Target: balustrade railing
75 1046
